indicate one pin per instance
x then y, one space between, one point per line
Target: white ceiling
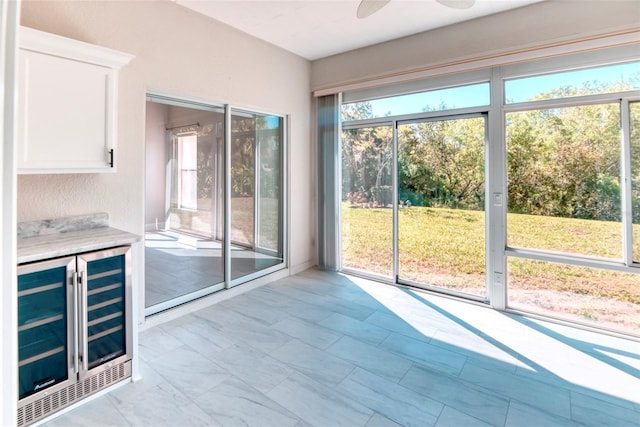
315 29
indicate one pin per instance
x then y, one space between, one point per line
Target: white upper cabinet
67 104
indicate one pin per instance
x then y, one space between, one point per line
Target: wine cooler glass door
45 350
104 278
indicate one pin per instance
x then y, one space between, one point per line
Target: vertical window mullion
256 189
179 170
395 183
337 186
626 180
227 196
496 196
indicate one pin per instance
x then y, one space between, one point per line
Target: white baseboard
214 298
154 226
301 267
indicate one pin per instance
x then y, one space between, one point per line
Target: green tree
565 161
635 160
441 163
367 154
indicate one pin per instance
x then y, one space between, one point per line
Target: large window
567 84
450 98
187 170
597 296
528 199
572 162
563 168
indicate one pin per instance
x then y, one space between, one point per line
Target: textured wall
183 53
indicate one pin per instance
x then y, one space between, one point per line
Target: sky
516 90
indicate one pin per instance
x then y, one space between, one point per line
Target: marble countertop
46 246
39 240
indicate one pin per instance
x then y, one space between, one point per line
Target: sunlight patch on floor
533 346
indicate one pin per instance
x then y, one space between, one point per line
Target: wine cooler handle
76 315
83 316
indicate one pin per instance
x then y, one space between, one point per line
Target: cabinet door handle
76 315
111 157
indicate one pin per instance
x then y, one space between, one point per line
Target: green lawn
445 247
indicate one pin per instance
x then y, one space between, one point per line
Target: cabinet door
104 278
45 319
65 122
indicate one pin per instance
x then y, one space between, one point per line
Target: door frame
466 113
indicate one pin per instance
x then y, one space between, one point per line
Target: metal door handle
76 314
83 320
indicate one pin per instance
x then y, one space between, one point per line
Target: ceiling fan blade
457 4
369 7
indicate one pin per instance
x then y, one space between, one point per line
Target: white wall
552 22
180 52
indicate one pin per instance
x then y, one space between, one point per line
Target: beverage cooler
74 329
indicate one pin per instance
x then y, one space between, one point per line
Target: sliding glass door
184 239
426 225
367 199
441 196
205 164
256 192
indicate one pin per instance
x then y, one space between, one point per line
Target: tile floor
327 350
173 270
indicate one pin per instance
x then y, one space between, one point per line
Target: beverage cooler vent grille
44 406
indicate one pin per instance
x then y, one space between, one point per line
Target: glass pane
42 330
42 373
243 148
634 110
42 295
436 100
441 221
196 166
563 169
188 165
256 225
603 298
105 309
184 201
367 199
609 79
269 178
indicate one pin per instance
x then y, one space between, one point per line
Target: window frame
497 250
180 169
172 99
621 99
